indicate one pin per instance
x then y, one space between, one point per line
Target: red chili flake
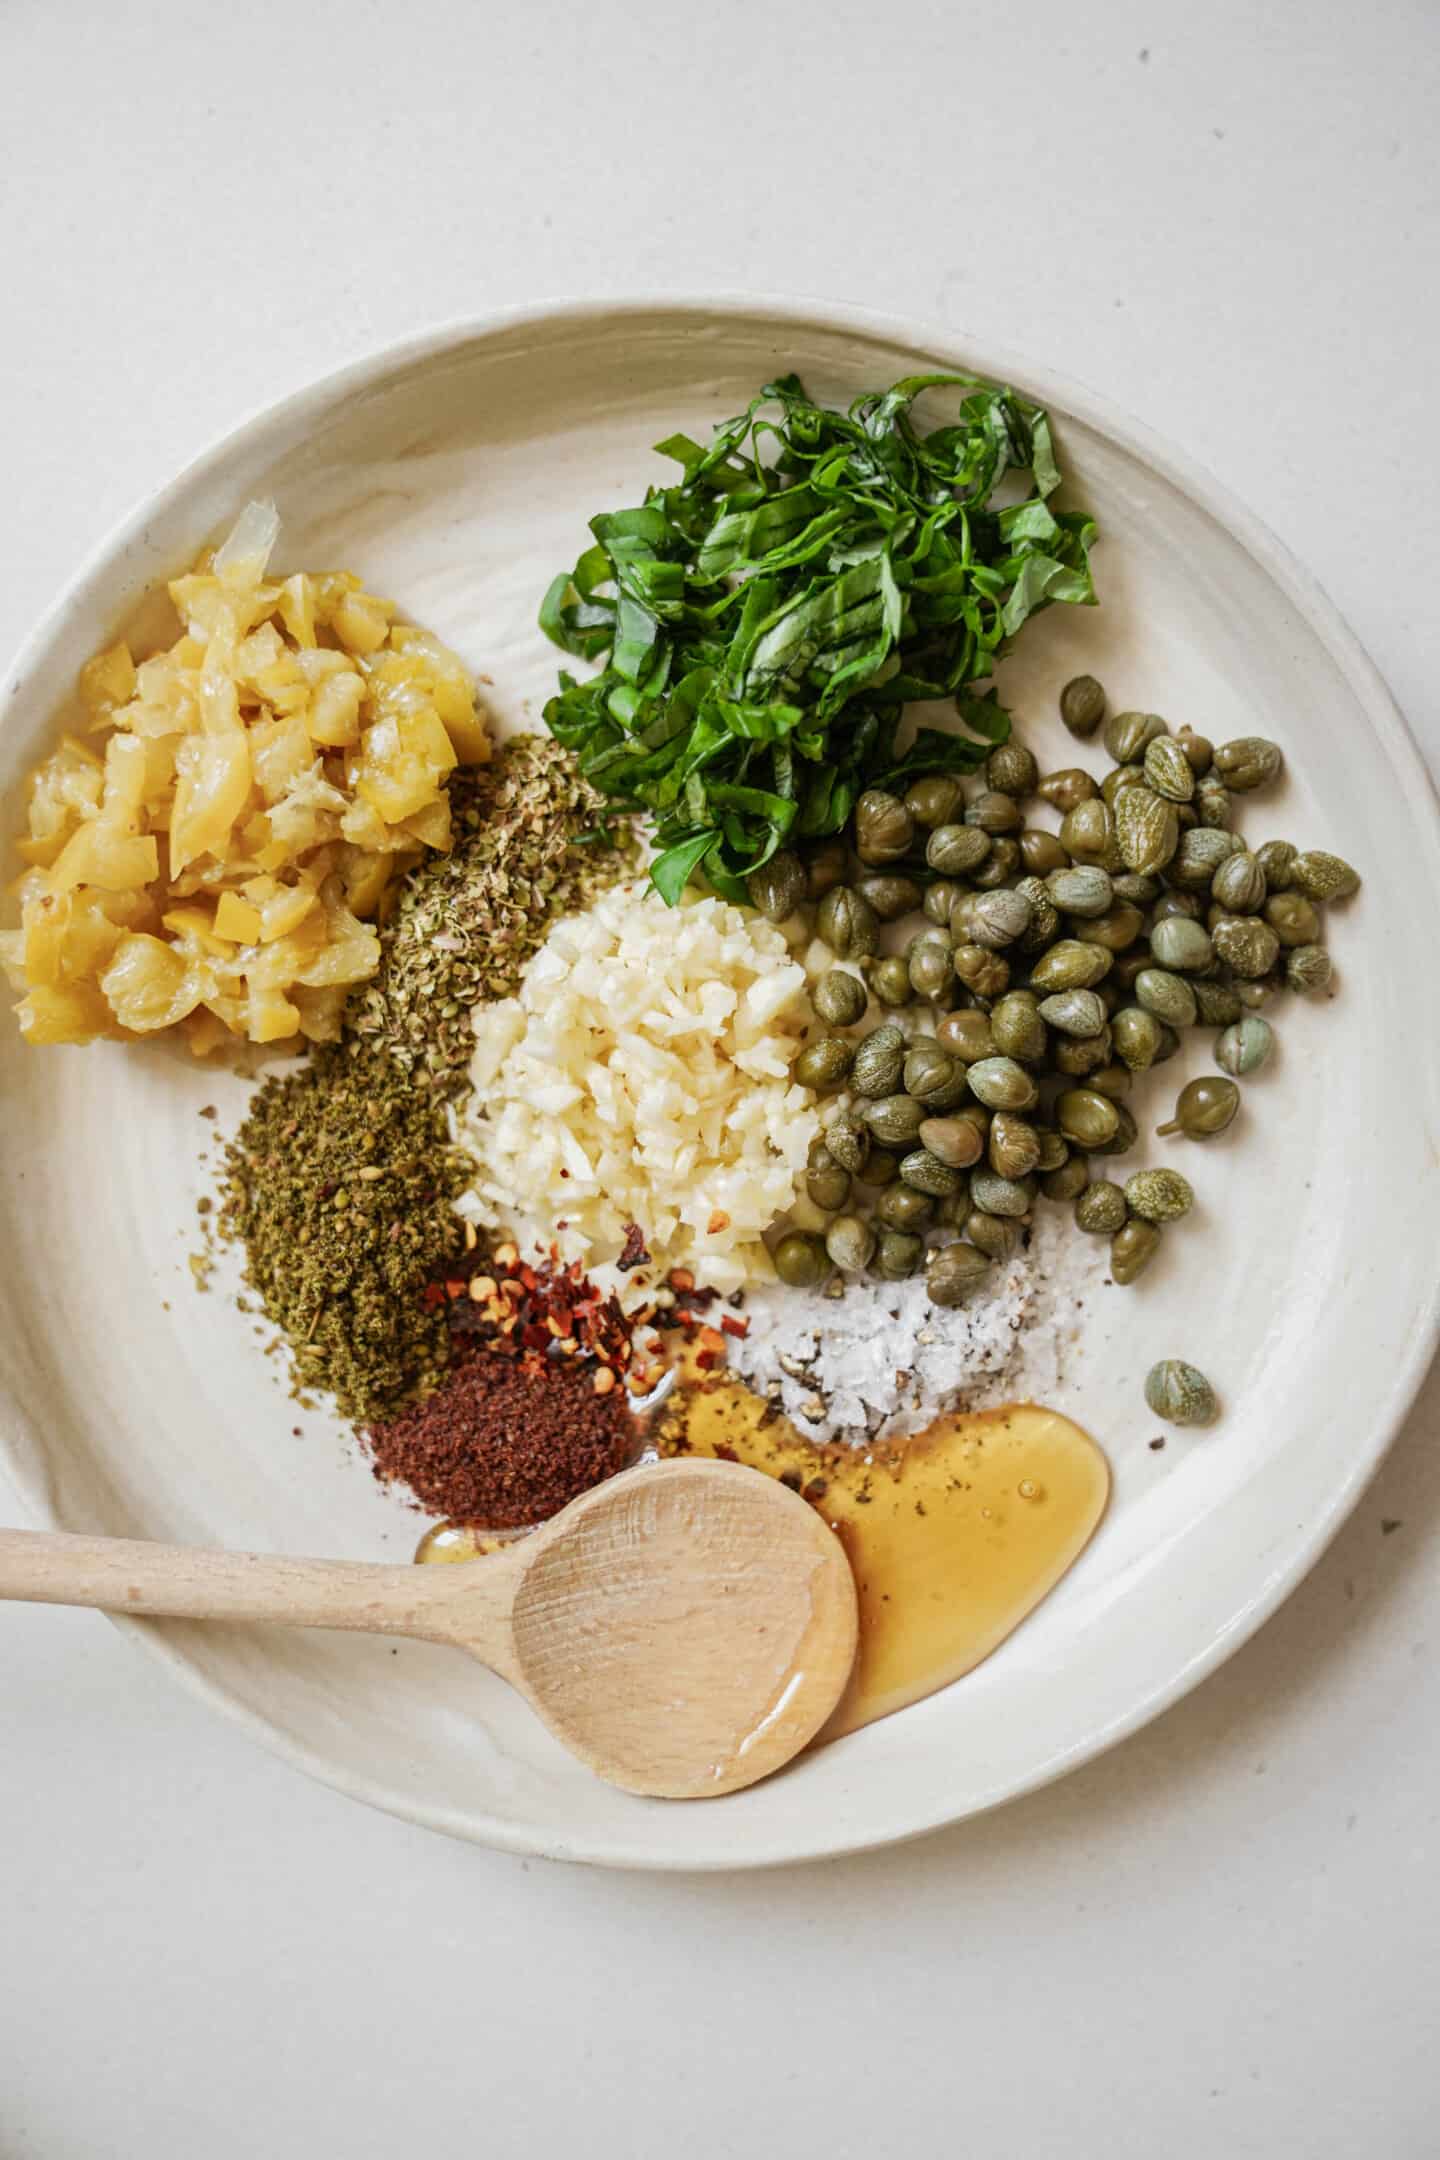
455 1289
434 1294
680 1278
632 1252
734 1325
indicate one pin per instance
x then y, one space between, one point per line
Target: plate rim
1322 616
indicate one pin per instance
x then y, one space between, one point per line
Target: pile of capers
1054 970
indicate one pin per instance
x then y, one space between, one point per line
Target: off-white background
1220 1940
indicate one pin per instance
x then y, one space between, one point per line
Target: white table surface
1221 1938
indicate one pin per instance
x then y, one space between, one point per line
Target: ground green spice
340 1184
530 846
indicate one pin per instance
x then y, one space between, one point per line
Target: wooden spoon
684 1629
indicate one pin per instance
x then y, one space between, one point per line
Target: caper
848 1142
1254 996
1168 769
850 1243
1147 832
1321 876
986 973
1199 750
1089 834
1125 1135
1245 1046
1211 803
1082 890
1199 856
1121 979
847 923
994 1235
1169 997
1115 1081
1011 769
1218 1004
1014 1146
1132 1249
1187 905
1087 1119
1002 1084
929 970
1308 970
823 1064
827 1182
940 898
955 1141
1074 1012
1082 705
1041 852
838 998
935 799
824 867
879 1061
953 1271
1248 947
1277 859
1238 885
996 919
1044 924
1136 886
1069 1180
1293 918
879 1169
1118 927
778 886
1169 1042
1071 965
954 1208
1159 1196
1054 1152
993 812
1181 946
1016 1029
1067 789
898 1253
966 1035
1077 1056
926 1173
996 1195
890 979
1247 763
889 894
1101 1208
928 1070
884 829
801 1260
895 1120
956 850
1180 1393
999 866
1128 735
903 1207
1203 1108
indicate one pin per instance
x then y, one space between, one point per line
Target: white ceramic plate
457 474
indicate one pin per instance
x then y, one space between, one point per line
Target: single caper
1255 996
1066 1181
936 799
929 970
1136 886
884 829
879 1169
1321 876
848 1142
1180 1393
890 979
1200 855
801 1260
1277 859
898 1253
1245 1046
1054 1152
1002 1084
827 1181
940 898
1121 979
1087 1119
1169 997
955 1141
1294 919
926 1173
1101 1209
1199 750
1071 965
778 886
847 923
1115 1081
956 850
1248 946
967 1035
1247 763
1014 1146
824 867
1180 945
879 1061
1074 1012
1118 927
994 813
889 894
1308 970
994 1235
1187 905
1084 890
850 1243
1082 705
1066 789
1011 769
1077 1056
1218 1004
1088 832
894 1120
953 1271
904 1207
1168 770
1132 1248
1016 1029
954 1208
1239 885
1040 851
1211 803
985 973
838 998
928 1070
1159 1196
999 866
1203 1108
996 1195
1128 734
996 919
823 1064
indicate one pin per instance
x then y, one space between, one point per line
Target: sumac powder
502 1444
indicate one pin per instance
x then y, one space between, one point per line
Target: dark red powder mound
501 1445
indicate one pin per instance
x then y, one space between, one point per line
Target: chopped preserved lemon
259 786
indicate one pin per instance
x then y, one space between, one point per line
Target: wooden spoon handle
187 1583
